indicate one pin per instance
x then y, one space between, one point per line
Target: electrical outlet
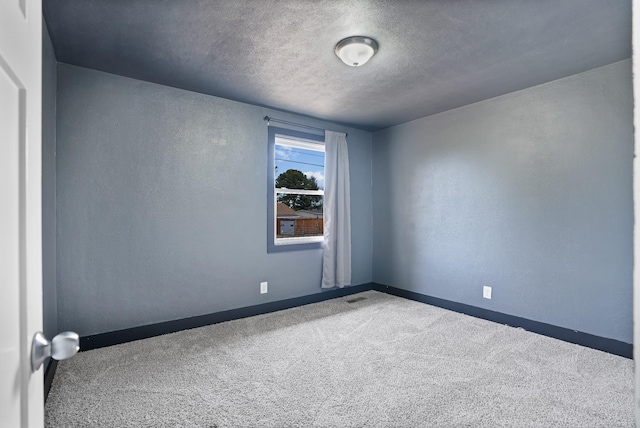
486 292
263 287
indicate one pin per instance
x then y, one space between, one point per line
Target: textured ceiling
434 55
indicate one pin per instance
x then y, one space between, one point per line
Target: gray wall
530 193
49 65
162 205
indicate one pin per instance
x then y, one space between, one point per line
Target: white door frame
635 41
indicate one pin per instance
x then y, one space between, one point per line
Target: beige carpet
379 362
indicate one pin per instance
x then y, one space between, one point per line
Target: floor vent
356 299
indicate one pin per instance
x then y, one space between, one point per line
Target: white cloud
319 176
284 152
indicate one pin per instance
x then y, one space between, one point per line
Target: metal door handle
64 345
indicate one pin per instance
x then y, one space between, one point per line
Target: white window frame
290 138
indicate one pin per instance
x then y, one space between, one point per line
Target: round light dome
356 51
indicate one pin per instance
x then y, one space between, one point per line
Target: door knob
64 345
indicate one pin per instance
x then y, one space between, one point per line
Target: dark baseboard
49 373
572 336
127 335
146 331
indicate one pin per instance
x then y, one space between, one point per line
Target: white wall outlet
263 287
486 292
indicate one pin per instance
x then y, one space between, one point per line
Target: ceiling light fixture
357 50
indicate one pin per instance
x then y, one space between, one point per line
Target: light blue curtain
336 267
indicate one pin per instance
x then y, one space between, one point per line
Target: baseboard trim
143 332
49 373
572 336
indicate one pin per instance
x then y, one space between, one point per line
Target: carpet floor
379 361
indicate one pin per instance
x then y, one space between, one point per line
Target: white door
21 391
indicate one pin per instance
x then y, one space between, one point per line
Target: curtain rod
285 122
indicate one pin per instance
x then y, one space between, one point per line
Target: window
295 190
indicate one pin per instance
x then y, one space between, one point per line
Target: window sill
298 241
